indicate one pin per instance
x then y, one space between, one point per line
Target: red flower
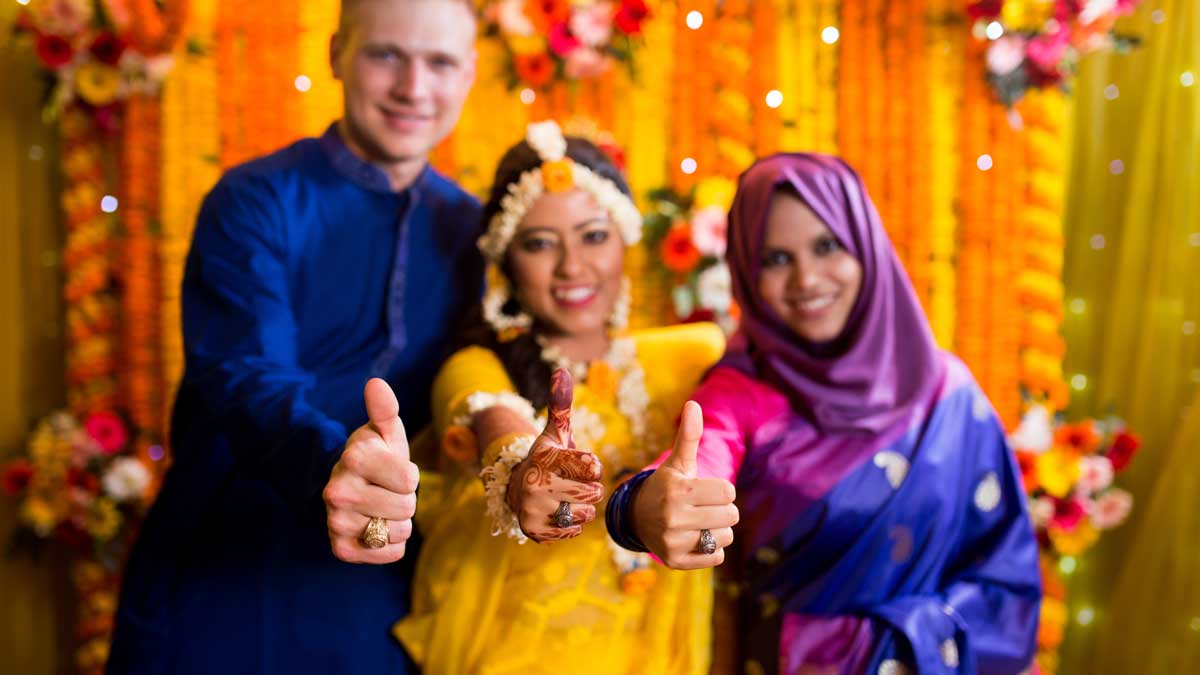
1068 513
72 534
83 480
54 51
630 16
535 69
678 252
699 315
1124 446
107 430
1028 463
615 153
984 9
108 48
17 475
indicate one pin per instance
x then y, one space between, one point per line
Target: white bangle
495 485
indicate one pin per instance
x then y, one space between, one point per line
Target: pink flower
1006 54
1095 474
709 228
1068 513
63 17
585 62
562 43
1111 508
107 430
1041 511
1046 51
592 24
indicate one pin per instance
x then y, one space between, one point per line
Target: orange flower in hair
558 176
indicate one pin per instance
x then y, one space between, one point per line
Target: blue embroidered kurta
307 276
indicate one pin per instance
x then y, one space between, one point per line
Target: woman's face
566 261
808 278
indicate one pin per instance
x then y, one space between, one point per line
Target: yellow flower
526 44
1057 471
1026 14
39 514
1074 542
715 191
104 520
558 176
97 83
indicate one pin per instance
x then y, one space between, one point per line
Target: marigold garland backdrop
1035 162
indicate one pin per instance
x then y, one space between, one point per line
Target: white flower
592 24
1041 510
1095 474
546 139
1005 54
510 15
126 479
714 288
684 303
1034 434
1095 9
709 226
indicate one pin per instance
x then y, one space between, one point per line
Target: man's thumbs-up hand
371 496
673 509
556 481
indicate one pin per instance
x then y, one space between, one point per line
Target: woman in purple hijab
880 521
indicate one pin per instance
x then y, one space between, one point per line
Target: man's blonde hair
348 7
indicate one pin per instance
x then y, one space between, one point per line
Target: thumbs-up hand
372 493
673 509
554 490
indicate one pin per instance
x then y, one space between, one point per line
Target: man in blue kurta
335 260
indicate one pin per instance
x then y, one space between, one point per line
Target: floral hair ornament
557 173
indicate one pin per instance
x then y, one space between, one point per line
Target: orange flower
678 252
535 69
1082 437
639 581
459 444
1050 628
1074 542
558 176
601 379
546 13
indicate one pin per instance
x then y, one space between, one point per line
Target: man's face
406 68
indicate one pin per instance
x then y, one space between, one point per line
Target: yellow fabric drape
33 595
1133 330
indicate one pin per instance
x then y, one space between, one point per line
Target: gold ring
375 535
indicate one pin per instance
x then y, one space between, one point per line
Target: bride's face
566 261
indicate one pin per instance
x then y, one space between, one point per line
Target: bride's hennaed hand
554 490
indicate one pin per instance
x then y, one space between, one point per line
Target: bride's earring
618 321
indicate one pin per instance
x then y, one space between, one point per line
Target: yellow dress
487 604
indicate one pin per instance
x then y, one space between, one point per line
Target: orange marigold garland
91 310
1040 281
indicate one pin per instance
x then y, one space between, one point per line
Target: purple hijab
885 361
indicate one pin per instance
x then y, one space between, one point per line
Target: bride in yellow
485 599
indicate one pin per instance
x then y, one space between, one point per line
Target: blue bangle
619 514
